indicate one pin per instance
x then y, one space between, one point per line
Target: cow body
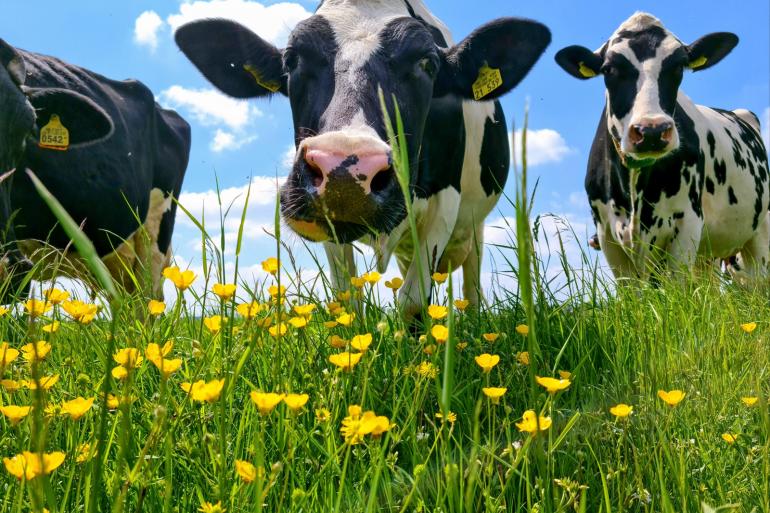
342 187
699 189
125 162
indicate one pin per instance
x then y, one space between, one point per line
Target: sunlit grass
285 395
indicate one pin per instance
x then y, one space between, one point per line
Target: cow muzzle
344 181
652 137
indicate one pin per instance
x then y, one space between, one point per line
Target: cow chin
322 231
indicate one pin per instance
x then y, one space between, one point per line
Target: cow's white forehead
357 24
638 22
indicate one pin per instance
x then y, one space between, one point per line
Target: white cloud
146 28
224 140
287 161
766 128
210 107
273 23
544 146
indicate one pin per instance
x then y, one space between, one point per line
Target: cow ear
710 49
86 121
493 59
233 58
13 62
579 61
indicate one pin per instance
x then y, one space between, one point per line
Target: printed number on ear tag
54 136
489 80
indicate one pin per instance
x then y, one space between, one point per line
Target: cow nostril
315 174
635 134
668 132
382 180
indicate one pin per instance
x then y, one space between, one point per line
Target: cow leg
342 265
755 254
621 265
684 247
472 269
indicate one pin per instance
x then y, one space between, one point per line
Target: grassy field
161 408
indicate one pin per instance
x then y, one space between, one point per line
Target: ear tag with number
54 136
489 80
273 87
697 63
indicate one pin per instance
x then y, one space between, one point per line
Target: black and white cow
342 187
124 160
669 180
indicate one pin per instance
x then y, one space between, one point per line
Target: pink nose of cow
651 136
372 171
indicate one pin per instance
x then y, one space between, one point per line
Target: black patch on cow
720 171
712 143
443 148
620 78
495 153
709 185
644 43
731 196
670 78
437 35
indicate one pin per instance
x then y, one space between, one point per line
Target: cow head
23 110
342 184
643 64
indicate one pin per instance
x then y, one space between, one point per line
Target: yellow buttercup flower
156 307
394 284
671 398
15 414
275 291
345 361
749 327
119 372
345 296
522 329
440 333
523 357
531 423
304 310
207 507
46 382
338 342
3 310
129 358
437 312
83 453
11 385
430 349
451 417
36 307
246 471
249 310
487 361
621 410
51 327
181 279
730 438
296 402
461 304
7 354
440 277
77 407
34 352
167 366
427 370
114 402
361 342
225 291
55 296
271 265
278 330
553 385
357 282
372 277
155 352
373 424
265 402
490 337
202 391
346 319
494 393
81 312
565 374
213 324
298 322
749 401
322 415
29 465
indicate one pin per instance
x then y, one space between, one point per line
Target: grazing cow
669 180
342 187
104 148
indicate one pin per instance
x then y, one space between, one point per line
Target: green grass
167 452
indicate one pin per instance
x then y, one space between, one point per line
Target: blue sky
235 141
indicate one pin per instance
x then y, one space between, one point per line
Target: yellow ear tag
273 87
697 63
489 80
54 136
586 71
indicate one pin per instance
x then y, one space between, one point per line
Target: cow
111 156
670 181
342 186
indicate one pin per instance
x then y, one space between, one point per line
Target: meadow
286 396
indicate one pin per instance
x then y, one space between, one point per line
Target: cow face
643 64
342 184
18 115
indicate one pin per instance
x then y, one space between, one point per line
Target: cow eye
428 65
290 60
